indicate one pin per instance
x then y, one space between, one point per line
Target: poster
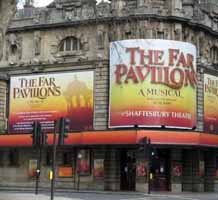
83 162
48 97
32 168
152 83
99 168
210 103
176 169
141 169
65 171
201 168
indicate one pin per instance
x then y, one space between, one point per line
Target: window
14 49
48 158
67 158
216 162
70 44
2 158
13 157
160 35
214 54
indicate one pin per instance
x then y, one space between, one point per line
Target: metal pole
38 170
53 162
79 157
148 155
78 183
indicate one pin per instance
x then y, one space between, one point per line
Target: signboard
48 97
99 168
210 103
152 83
141 169
65 171
32 168
83 162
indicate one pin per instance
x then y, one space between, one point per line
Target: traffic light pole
38 170
53 162
148 158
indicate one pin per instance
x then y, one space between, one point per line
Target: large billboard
152 83
48 97
210 103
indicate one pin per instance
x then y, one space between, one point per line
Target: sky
42 3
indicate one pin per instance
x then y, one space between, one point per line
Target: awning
115 137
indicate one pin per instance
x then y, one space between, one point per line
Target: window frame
70 44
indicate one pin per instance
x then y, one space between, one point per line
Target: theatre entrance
127 170
160 170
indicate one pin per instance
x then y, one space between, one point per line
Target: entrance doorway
127 170
160 169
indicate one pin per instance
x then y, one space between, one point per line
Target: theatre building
120 72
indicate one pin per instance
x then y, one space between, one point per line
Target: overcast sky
40 3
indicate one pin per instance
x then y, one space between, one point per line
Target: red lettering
132 54
141 76
142 56
181 60
153 74
131 75
190 76
181 76
158 55
190 60
173 54
120 71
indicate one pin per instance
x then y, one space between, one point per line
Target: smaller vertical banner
32 168
83 162
176 169
210 103
201 168
99 168
141 169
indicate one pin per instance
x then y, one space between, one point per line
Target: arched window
70 44
214 54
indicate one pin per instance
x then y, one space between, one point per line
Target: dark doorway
127 170
160 169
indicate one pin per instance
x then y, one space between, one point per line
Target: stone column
112 169
198 170
213 170
141 176
210 171
99 154
176 170
3 105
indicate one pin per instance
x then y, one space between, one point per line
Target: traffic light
36 133
145 145
64 126
44 139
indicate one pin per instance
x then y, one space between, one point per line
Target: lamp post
53 161
79 156
146 147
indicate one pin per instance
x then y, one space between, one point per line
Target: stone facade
33 45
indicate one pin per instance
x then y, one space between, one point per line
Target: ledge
119 137
169 18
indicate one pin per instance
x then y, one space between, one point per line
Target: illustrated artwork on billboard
210 103
152 84
48 97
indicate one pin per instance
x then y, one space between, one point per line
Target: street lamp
79 156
